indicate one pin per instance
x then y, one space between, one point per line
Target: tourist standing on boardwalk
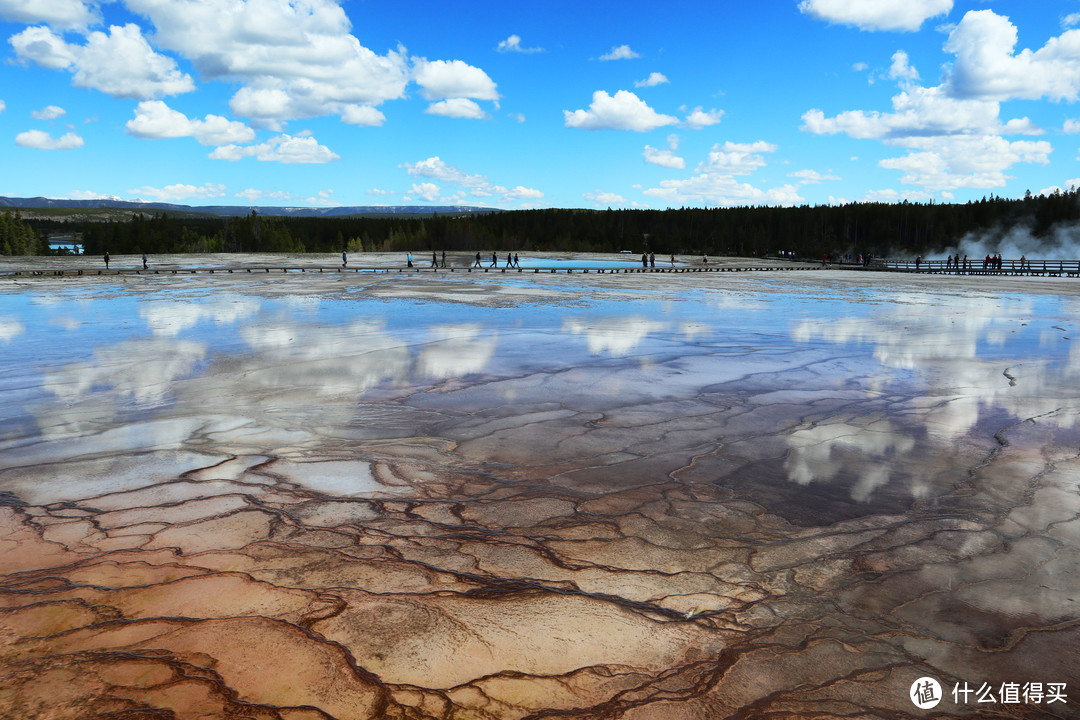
410 258
144 265
509 260
672 259
444 258
477 263
106 259
494 260
434 259
344 259
652 259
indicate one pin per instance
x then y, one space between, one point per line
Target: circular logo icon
925 693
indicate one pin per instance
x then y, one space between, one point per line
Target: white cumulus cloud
899 15
714 180
811 177
988 67
50 112
427 191
120 63
154 119
736 158
513 44
622 52
285 149
948 163
699 118
302 50
442 79
953 132
177 192
601 199
623 111
653 80
901 69
43 141
63 14
664 158
363 115
434 168
919 111
457 108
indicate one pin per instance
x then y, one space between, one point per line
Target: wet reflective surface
509 496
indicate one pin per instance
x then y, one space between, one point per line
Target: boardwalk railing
316 269
1056 268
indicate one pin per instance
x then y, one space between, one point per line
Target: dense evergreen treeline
878 228
17 237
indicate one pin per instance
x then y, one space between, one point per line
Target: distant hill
238 210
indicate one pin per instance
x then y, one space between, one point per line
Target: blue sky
555 104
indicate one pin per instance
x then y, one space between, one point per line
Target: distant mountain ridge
238 210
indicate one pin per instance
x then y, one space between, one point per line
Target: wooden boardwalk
1029 268
317 269
1040 268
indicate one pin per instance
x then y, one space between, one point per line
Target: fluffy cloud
624 111
664 158
736 158
91 195
714 182
43 141
721 190
174 193
302 50
477 185
901 15
601 199
901 69
441 79
3 106
251 195
953 132
50 112
622 52
513 44
919 111
698 118
937 163
63 14
324 198
426 191
457 108
988 67
1071 126
521 193
811 177
363 115
653 80
154 119
120 63
285 149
